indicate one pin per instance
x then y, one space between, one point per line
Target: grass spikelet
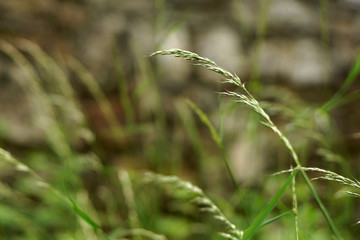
198 197
328 175
201 61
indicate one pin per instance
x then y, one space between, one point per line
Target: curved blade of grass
259 220
347 99
267 222
203 117
354 72
82 214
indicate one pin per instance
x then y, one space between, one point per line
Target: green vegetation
169 175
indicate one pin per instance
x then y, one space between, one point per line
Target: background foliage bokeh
85 107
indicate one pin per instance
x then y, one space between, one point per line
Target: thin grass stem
216 139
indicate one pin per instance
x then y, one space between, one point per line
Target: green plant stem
227 165
216 139
295 209
258 221
295 157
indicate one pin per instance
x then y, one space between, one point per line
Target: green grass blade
267 222
123 86
129 198
7 157
354 72
82 214
203 117
188 121
259 220
347 99
190 127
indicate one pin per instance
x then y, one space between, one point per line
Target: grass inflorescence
245 97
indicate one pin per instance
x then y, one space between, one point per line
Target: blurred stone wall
305 45
295 32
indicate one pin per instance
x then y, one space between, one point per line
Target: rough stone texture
292 17
303 61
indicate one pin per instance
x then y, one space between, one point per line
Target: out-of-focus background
81 101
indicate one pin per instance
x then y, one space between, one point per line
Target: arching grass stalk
246 97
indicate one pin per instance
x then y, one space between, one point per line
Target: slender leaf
216 138
337 98
271 220
259 220
82 214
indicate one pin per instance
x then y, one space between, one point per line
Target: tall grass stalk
246 97
295 208
147 93
129 200
193 134
123 86
260 35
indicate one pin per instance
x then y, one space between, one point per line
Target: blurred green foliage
75 186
